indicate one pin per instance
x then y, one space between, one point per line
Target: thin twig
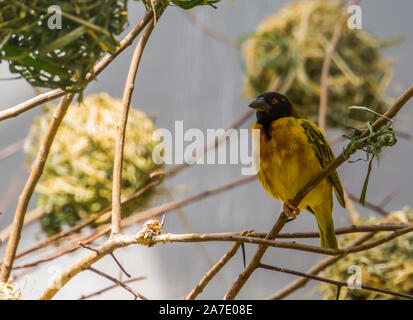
121 128
111 287
111 254
31 217
119 283
27 192
120 265
207 30
9 195
388 198
338 292
351 209
11 149
339 284
322 112
379 209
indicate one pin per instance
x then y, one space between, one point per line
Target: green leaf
14 54
189 4
366 182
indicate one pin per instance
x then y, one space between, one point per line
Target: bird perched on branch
292 152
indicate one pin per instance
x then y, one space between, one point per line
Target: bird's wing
324 155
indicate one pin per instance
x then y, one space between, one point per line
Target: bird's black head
271 106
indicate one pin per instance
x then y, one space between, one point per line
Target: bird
292 152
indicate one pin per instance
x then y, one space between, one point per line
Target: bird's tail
326 228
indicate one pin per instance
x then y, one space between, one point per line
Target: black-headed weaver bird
292 152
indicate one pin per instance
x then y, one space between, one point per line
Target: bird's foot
290 211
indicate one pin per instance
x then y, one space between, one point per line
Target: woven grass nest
77 179
388 266
56 57
289 47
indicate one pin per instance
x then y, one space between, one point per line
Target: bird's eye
274 101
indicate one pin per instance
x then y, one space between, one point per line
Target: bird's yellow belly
287 163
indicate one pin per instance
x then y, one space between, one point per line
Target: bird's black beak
259 104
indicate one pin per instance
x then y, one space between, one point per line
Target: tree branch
84 297
27 192
121 129
118 283
339 284
147 239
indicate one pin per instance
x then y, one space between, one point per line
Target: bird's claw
290 211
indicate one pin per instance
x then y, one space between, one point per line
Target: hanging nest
288 50
10 291
388 266
56 58
77 179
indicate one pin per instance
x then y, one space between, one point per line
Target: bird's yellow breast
287 162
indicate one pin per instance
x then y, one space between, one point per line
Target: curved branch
121 128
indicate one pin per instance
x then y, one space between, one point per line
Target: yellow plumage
291 156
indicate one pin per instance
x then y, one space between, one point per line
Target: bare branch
119 283
205 29
111 287
121 129
11 149
339 284
208 237
379 209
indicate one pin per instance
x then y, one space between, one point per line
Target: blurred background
187 75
